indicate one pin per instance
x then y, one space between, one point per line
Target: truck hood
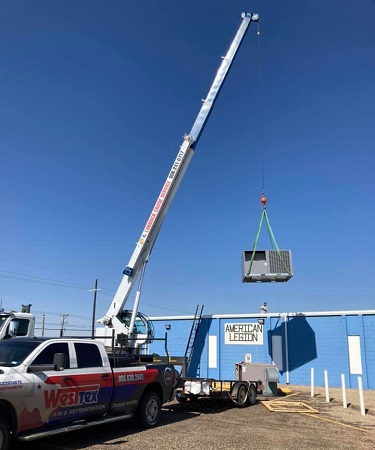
5 371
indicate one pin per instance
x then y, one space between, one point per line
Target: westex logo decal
84 395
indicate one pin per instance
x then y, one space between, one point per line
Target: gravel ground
212 425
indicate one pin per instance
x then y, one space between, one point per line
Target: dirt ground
308 423
334 409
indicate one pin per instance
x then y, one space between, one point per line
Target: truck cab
16 324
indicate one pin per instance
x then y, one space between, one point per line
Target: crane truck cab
16 324
143 331
142 326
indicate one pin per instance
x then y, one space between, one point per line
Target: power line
40 280
22 277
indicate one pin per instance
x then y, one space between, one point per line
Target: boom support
150 232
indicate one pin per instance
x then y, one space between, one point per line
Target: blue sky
95 99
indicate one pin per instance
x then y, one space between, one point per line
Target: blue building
341 342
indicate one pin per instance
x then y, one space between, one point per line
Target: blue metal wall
305 341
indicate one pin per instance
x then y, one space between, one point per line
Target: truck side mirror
59 361
12 329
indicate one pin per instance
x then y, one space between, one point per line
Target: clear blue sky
95 99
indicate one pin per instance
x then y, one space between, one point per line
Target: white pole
343 387
286 348
361 400
326 385
312 382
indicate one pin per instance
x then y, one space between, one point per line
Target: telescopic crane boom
123 322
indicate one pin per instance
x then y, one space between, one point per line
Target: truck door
95 375
81 390
38 388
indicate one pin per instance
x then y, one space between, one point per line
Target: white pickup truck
51 386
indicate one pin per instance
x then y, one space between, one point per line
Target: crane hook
263 201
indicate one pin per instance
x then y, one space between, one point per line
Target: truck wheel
242 396
4 435
148 412
252 396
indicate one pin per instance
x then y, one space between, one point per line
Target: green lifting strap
272 239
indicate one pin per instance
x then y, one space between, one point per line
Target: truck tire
4 435
242 396
148 411
252 395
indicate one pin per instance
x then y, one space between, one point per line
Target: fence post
343 387
361 399
312 382
326 385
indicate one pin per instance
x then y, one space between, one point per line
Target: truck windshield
14 351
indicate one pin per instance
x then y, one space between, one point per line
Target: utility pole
43 323
63 317
94 308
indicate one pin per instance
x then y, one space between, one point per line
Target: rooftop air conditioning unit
266 266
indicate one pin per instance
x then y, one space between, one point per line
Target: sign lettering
71 397
243 333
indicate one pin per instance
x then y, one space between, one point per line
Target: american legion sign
243 333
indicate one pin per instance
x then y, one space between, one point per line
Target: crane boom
150 232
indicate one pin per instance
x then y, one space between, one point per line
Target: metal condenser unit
266 266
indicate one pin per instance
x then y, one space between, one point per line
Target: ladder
193 335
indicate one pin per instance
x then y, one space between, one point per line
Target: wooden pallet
289 407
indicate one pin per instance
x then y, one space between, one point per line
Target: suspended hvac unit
266 266
262 266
